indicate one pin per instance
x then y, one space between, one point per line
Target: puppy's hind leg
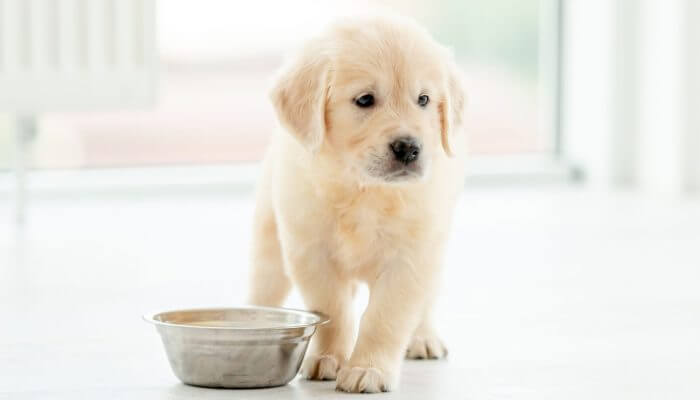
269 285
425 343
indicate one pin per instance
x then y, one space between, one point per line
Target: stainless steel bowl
246 347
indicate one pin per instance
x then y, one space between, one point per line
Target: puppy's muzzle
406 149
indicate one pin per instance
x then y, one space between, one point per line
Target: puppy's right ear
300 95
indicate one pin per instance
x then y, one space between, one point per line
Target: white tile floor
554 294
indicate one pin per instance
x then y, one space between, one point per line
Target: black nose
406 149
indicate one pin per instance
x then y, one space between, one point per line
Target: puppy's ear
451 107
299 97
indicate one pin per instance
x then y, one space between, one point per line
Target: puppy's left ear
451 107
300 95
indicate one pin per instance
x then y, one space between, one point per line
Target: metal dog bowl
245 347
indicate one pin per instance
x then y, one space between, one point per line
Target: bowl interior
240 318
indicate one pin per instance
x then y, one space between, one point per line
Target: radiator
76 55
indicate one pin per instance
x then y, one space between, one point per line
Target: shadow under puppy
359 186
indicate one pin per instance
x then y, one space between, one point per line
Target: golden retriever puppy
359 186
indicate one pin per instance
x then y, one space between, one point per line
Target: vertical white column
691 96
110 30
124 27
9 25
68 41
96 36
148 22
661 115
3 34
53 36
624 140
145 46
82 33
548 71
587 90
137 35
40 41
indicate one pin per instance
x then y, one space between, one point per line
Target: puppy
359 186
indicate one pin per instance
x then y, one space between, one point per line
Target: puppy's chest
369 231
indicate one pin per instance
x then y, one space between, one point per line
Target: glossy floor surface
549 294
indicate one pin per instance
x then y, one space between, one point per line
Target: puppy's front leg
395 307
323 290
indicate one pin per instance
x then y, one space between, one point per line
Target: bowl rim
322 318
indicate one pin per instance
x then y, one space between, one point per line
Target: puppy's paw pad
426 347
363 380
320 367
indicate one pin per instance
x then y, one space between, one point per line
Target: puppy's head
375 96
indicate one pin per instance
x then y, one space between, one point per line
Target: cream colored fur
331 214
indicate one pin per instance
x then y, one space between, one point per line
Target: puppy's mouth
404 173
390 171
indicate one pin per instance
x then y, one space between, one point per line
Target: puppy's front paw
320 367
426 347
363 380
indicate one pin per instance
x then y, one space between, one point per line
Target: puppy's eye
423 100
364 101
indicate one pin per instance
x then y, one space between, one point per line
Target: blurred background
130 139
209 95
